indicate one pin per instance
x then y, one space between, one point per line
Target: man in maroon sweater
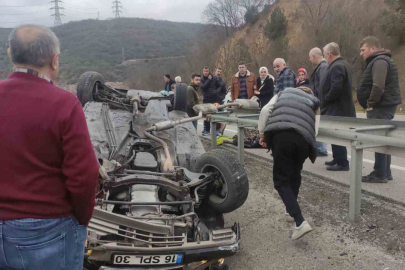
48 169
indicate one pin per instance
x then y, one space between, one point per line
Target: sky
16 12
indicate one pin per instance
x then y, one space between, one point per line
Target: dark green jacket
192 99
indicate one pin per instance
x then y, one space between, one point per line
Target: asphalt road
375 241
393 189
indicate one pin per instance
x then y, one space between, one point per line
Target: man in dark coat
211 89
223 92
287 125
336 99
316 58
169 82
380 95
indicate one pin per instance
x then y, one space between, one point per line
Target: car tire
180 98
232 174
86 86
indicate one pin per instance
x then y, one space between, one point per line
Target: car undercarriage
161 198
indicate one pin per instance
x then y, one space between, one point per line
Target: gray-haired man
48 186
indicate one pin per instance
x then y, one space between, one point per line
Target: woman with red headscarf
302 77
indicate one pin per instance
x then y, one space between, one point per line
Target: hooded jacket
371 95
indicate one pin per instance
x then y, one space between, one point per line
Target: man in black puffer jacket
287 125
380 95
211 89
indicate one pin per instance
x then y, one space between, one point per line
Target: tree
277 26
252 15
226 13
393 22
316 11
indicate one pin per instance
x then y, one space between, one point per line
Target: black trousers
340 155
290 150
382 164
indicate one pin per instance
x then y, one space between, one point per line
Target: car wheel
230 188
86 88
180 98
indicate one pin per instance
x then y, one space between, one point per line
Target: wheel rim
220 187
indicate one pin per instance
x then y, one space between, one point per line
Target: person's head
368 46
206 71
263 72
218 72
196 79
302 74
177 79
35 47
331 52
242 67
167 78
173 87
315 56
279 65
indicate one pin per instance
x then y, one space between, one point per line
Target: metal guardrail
381 136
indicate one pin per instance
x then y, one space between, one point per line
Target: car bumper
195 257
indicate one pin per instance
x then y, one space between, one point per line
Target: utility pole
98 17
117 8
57 14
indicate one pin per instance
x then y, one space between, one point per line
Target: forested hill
102 45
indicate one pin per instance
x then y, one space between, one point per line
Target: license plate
147 259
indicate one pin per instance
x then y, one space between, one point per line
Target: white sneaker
301 230
288 218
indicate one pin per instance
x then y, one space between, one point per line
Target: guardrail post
241 145
356 170
213 135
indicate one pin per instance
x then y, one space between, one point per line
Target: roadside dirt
374 241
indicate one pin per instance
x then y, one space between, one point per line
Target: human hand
216 104
209 77
262 141
257 92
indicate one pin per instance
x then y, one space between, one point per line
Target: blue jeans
46 244
322 147
195 124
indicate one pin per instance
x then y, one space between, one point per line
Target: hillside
103 45
346 22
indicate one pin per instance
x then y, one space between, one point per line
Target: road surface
375 241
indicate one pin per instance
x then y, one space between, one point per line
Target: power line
57 14
117 8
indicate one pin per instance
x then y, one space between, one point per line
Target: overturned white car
161 197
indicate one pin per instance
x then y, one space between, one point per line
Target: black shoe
322 154
338 168
373 178
330 163
389 177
